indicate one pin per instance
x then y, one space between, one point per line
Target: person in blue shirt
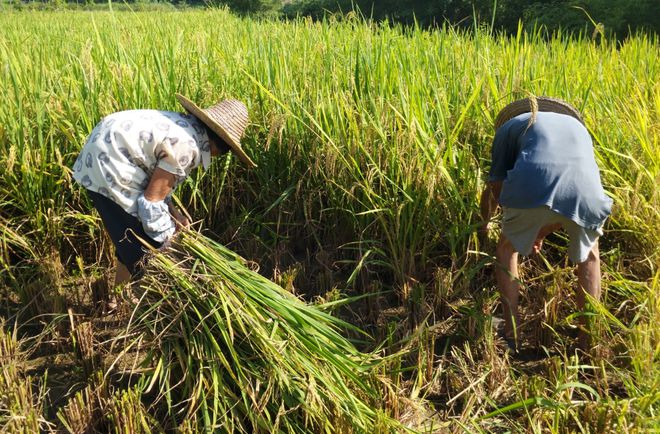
544 176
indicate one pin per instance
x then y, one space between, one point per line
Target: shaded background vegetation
620 17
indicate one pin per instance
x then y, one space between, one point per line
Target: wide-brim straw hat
545 104
228 119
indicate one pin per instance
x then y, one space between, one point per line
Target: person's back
550 162
124 149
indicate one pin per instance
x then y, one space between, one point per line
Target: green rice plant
237 353
378 134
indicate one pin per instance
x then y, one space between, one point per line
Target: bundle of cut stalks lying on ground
235 352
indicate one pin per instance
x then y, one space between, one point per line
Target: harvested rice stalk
21 396
128 415
85 412
237 353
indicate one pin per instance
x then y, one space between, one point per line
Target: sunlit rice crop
372 143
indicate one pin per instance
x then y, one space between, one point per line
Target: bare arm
489 202
160 185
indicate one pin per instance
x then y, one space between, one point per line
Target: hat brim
545 104
200 114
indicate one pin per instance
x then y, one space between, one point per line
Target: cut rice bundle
238 353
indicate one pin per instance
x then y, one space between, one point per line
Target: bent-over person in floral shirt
133 160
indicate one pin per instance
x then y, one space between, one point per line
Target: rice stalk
372 143
128 415
85 412
21 396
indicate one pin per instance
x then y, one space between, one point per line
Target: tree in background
616 16
620 17
264 7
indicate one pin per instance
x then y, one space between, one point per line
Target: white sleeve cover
156 219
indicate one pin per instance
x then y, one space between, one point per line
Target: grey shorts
521 227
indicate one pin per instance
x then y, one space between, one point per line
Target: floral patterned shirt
125 148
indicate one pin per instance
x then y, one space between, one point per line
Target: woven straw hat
545 104
228 119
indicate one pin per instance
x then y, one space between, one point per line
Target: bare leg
588 281
122 275
506 273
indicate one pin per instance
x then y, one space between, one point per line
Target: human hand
180 219
544 232
172 242
483 232
155 218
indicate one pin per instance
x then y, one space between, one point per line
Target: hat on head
544 104
228 119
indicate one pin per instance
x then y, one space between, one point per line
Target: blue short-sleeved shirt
552 164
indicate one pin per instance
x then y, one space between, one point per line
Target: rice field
372 144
